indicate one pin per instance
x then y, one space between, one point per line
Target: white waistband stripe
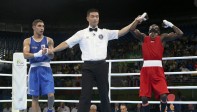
152 63
46 64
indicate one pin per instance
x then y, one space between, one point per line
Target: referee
93 43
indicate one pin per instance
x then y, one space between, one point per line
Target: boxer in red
152 78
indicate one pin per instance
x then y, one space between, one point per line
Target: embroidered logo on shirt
42 46
34 47
100 36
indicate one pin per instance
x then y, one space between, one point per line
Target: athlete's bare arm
139 35
50 47
172 35
26 49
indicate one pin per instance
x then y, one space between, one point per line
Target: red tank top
152 49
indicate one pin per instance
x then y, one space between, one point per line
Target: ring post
19 82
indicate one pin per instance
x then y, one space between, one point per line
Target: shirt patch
100 36
42 46
34 47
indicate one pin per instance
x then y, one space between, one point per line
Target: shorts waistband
152 63
46 64
95 61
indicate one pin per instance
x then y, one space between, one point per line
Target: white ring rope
115 88
134 102
2 61
5 74
114 74
166 73
94 101
166 58
67 75
5 87
169 87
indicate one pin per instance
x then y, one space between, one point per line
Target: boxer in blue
40 79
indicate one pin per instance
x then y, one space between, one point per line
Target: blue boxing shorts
40 81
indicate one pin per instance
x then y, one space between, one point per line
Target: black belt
95 62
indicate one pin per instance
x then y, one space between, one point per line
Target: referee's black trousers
94 71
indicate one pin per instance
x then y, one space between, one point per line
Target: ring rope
2 61
115 88
114 74
115 101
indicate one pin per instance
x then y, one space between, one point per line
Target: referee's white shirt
93 44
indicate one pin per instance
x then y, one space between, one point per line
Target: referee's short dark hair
92 10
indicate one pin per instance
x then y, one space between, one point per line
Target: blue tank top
37 46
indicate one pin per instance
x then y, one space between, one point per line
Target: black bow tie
91 29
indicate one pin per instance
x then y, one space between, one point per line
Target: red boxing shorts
152 78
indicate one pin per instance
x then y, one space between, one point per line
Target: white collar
91 27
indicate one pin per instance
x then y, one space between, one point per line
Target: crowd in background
126 48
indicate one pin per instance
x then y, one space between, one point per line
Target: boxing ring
111 88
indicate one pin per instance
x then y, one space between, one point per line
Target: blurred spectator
139 105
123 108
74 108
116 108
7 108
63 108
93 108
191 108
